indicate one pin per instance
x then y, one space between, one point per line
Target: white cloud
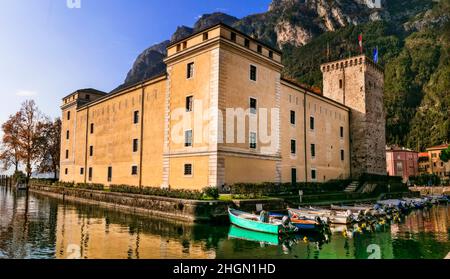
26 93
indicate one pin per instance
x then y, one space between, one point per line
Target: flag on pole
360 40
375 55
328 51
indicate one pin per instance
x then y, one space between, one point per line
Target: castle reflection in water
34 226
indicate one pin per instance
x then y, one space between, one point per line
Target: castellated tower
358 83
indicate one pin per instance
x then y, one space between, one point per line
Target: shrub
155 191
254 190
41 181
91 186
211 192
64 184
425 180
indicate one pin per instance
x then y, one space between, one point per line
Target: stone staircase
352 187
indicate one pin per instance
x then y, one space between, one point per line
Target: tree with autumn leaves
32 140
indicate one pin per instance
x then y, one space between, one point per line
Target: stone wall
178 209
431 190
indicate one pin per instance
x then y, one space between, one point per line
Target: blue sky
48 50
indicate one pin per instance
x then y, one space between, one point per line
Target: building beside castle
223 114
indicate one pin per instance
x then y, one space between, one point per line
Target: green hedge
43 181
91 186
206 193
366 177
424 179
255 190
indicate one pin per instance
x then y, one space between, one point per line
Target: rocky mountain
410 35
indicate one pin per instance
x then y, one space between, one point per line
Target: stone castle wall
359 84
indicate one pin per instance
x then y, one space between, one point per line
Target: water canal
38 227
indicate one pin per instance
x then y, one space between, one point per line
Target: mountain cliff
412 37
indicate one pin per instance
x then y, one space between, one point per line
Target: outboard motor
285 221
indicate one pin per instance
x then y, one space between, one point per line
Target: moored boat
305 221
256 223
333 216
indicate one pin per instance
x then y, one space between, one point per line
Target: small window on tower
205 36
233 36
271 54
247 43
341 84
259 49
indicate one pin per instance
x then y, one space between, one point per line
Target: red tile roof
423 154
438 147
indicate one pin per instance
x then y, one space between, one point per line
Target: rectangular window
341 84
313 174
81 171
88 97
184 45
68 115
187 169
178 47
259 49
247 43
188 138
311 123
67 134
136 117
294 176
233 36
205 36
109 174
90 174
134 170
271 54
91 151
342 155
189 103
342 132
293 147
67 154
66 171
92 128
293 117
190 70
252 72
135 145
252 140
253 105
313 150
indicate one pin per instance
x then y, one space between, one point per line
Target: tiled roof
438 147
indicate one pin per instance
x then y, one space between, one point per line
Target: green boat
240 233
252 222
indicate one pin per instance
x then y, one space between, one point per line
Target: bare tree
10 154
30 135
49 146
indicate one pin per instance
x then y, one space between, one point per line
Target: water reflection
35 226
